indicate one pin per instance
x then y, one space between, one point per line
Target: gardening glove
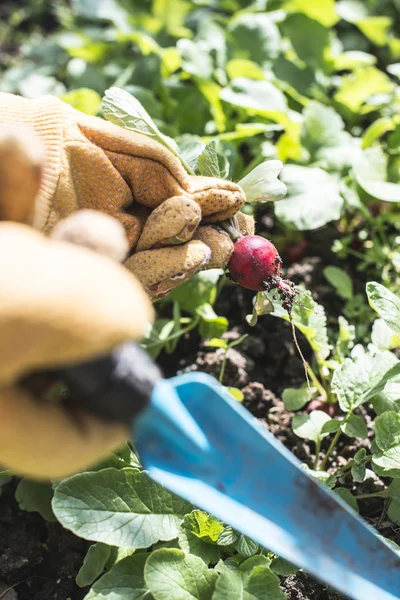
59 304
167 214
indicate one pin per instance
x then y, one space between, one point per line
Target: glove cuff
44 115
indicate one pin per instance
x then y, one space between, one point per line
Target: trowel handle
116 387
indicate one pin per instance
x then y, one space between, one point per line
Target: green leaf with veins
171 573
120 507
123 109
313 198
191 544
355 427
251 580
246 547
262 97
124 581
35 496
386 461
207 162
385 303
203 525
358 380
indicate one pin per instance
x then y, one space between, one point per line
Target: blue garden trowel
198 442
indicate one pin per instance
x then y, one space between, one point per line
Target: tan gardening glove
59 304
91 163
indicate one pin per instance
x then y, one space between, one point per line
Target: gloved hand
59 304
91 163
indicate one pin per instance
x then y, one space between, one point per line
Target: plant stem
316 382
189 327
233 233
382 494
333 443
222 371
317 452
352 462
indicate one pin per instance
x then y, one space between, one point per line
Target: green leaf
313 198
190 148
35 496
255 36
246 547
84 99
309 39
331 426
282 567
370 171
191 544
309 427
262 183
203 525
294 399
196 59
383 337
355 427
386 461
227 536
358 473
386 304
125 581
348 497
387 428
251 580
262 97
207 162
198 290
93 564
323 135
211 325
235 393
120 507
358 380
358 87
340 280
171 573
376 130
323 11
125 110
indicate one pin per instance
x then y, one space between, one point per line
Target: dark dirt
38 560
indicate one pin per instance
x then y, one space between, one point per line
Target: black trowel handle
115 387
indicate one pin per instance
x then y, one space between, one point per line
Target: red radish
255 264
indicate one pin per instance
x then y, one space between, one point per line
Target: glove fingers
217 198
171 223
41 440
220 244
21 159
162 269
